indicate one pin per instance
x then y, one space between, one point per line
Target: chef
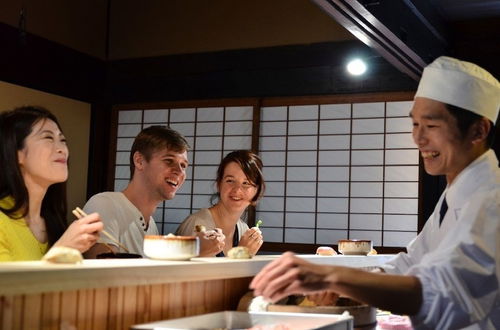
450 277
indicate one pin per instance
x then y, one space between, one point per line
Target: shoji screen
332 171
337 171
211 132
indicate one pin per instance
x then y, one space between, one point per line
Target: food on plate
325 251
239 252
307 303
63 255
372 252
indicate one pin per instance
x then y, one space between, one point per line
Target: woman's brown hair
250 164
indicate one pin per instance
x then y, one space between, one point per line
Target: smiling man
450 277
158 163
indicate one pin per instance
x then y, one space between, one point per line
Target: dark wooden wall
315 69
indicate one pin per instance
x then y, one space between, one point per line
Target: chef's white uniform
458 263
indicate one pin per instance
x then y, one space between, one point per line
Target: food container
259 320
354 246
365 316
171 247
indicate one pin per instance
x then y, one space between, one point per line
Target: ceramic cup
171 247
354 246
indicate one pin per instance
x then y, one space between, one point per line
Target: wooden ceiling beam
401 34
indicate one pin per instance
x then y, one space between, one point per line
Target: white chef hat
462 84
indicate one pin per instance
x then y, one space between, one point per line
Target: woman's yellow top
17 242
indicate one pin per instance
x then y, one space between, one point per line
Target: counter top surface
38 276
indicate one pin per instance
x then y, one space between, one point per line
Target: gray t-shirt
122 220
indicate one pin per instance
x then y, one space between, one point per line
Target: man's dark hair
466 118
154 138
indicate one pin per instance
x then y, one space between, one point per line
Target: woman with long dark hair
240 183
34 170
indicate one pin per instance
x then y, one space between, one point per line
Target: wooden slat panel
155 311
32 311
115 307
69 302
194 298
101 308
175 304
17 312
84 309
143 310
129 306
164 301
51 311
214 296
121 307
7 314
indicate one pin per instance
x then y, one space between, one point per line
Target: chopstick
79 213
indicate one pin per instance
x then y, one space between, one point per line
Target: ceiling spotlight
356 67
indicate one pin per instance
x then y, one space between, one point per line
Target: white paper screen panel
212 132
345 170
334 171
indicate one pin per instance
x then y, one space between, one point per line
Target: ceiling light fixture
356 67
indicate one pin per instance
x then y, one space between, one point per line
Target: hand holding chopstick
82 234
79 213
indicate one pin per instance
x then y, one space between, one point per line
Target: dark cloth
442 212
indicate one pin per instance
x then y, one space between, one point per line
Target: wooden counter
114 294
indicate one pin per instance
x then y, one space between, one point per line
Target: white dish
171 247
354 247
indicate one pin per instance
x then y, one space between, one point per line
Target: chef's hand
289 275
82 233
211 242
252 239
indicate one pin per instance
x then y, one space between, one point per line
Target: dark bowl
110 255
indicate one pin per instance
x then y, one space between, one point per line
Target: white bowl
354 246
171 247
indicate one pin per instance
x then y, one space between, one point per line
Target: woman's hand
211 242
82 233
252 239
